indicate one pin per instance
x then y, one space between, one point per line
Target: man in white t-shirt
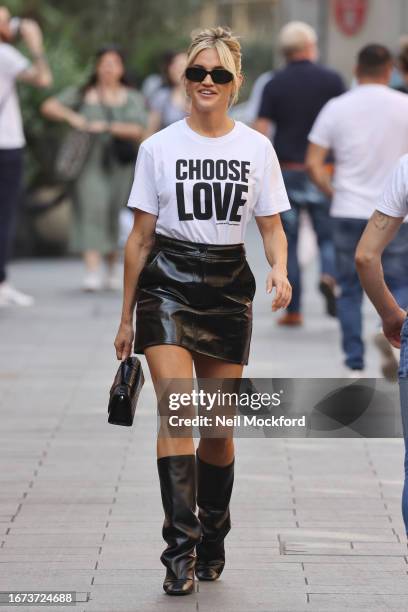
387 219
15 67
367 131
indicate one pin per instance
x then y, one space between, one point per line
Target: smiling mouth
207 92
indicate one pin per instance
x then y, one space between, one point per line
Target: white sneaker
9 296
389 357
92 282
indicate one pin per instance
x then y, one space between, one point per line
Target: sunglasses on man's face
218 75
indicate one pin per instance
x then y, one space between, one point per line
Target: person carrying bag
109 119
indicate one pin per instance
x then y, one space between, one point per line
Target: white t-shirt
394 200
12 62
207 189
367 130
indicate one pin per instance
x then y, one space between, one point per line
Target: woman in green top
109 109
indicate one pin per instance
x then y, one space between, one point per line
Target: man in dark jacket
290 103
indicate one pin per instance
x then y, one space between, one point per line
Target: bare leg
217 451
111 260
92 260
170 361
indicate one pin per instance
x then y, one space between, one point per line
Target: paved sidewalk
316 523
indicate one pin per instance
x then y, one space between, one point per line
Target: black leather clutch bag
125 392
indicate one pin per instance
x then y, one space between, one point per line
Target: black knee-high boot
214 488
181 527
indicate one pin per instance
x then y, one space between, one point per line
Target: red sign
350 15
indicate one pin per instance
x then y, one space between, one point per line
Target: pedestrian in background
15 67
112 111
290 103
169 103
367 130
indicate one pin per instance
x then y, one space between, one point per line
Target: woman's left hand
278 278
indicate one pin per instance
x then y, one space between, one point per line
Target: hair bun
222 32
215 33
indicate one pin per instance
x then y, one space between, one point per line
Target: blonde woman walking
197 184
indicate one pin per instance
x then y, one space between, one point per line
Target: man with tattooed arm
380 231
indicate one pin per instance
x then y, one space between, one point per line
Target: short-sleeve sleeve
136 111
143 194
272 197
70 96
394 200
12 62
266 109
322 132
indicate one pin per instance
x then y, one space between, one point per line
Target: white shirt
394 199
12 62
367 130
207 189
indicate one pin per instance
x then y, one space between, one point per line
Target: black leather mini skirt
198 296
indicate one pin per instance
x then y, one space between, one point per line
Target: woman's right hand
392 326
124 340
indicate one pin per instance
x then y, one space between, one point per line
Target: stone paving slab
78 563
61 540
47 578
367 534
393 586
210 597
364 602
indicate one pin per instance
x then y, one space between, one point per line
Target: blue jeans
403 384
346 235
303 194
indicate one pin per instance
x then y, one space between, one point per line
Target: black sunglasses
218 75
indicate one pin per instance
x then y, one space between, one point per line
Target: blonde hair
227 46
295 36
